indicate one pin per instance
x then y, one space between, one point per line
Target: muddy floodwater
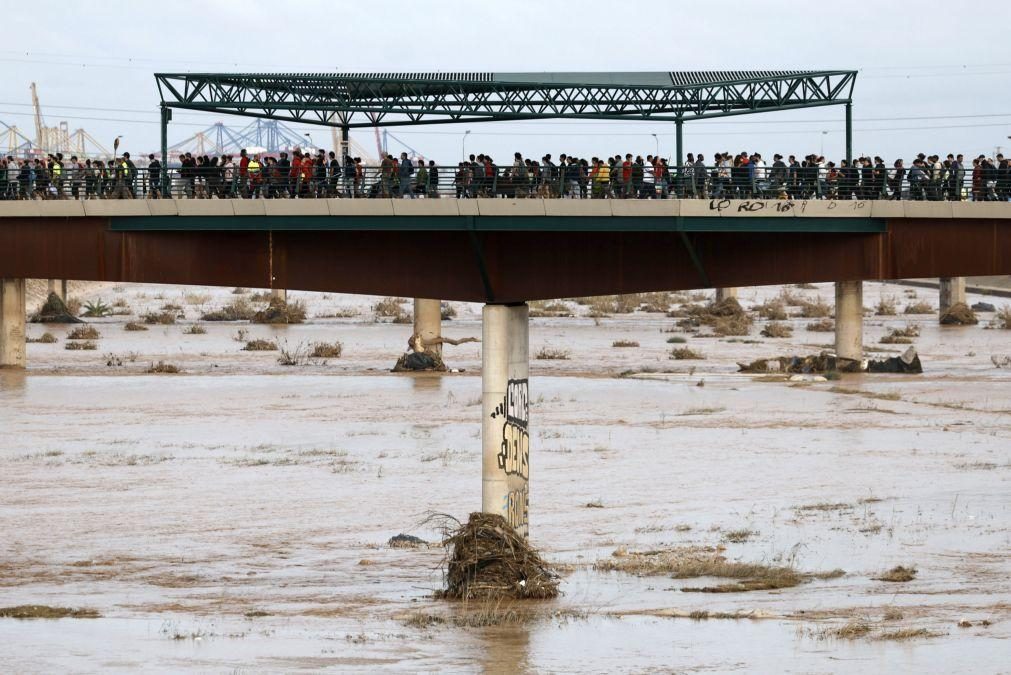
234 517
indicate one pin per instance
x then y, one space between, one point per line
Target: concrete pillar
849 319
724 293
428 324
58 286
952 292
505 434
12 324
279 293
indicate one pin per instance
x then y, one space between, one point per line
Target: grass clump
959 314
852 630
165 318
898 574
260 345
46 612
552 354
738 536
134 326
825 325
162 368
544 308
239 309
624 343
327 350
907 634
777 329
676 340
46 338
389 307
84 333
1002 319
488 559
195 329
446 311
901 336
686 354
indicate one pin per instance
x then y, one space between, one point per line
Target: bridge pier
13 353
849 319
505 406
428 326
58 286
280 294
952 292
724 293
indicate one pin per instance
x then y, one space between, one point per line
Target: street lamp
823 135
657 144
463 145
308 138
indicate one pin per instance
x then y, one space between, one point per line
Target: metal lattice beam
378 99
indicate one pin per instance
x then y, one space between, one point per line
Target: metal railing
468 182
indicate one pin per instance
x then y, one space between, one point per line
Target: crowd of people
322 174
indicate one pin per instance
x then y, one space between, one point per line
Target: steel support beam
849 134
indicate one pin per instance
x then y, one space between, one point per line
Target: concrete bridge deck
499 250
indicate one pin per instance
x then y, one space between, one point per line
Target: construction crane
59 138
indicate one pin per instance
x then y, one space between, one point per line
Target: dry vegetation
898 574
624 343
260 345
134 326
164 318
545 308
777 329
279 312
239 309
84 332
327 350
195 329
1002 319
825 325
686 354
959 314
885 306
46 338
920 307
162 368
690 562
46 612
552 354
813 309
901 336
773 310
86 345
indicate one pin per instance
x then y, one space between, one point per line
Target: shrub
87 345
161 318
775 329
194 329
262 296
134 326
676 340
919 308
239 290
327 350
238 309
447 311
293 356
1003 318
685 354
773 310
624 343
279 311
390 307
885 306
552 354
46 338
814 309
260 345
85 332
162 368
171 307
822 326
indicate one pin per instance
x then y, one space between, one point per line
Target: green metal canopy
353 100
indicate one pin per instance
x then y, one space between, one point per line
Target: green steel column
849 134
166 115
679 142
345 142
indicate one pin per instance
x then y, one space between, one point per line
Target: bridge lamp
463 145
657 140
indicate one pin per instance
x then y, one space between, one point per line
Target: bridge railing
467 182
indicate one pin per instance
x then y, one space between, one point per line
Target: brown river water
234 517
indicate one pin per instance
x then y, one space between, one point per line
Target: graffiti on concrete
514 451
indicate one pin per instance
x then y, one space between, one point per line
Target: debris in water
55 311
898 574
406 541
46 612
959 314
983 307
827 362
489 560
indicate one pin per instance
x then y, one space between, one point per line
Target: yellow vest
57 169
603 173
253 166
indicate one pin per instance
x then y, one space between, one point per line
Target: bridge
501 252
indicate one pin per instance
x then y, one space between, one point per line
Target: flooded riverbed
235 516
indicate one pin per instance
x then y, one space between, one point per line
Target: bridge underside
499 266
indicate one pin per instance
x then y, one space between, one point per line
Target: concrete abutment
951 292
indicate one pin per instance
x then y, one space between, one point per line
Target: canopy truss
390 99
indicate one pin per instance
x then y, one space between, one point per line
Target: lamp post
463 145
823 135
657 140
308 139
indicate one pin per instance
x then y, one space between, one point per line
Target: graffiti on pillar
514 451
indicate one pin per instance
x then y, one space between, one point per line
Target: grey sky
940 60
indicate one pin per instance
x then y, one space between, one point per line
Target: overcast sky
933 74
